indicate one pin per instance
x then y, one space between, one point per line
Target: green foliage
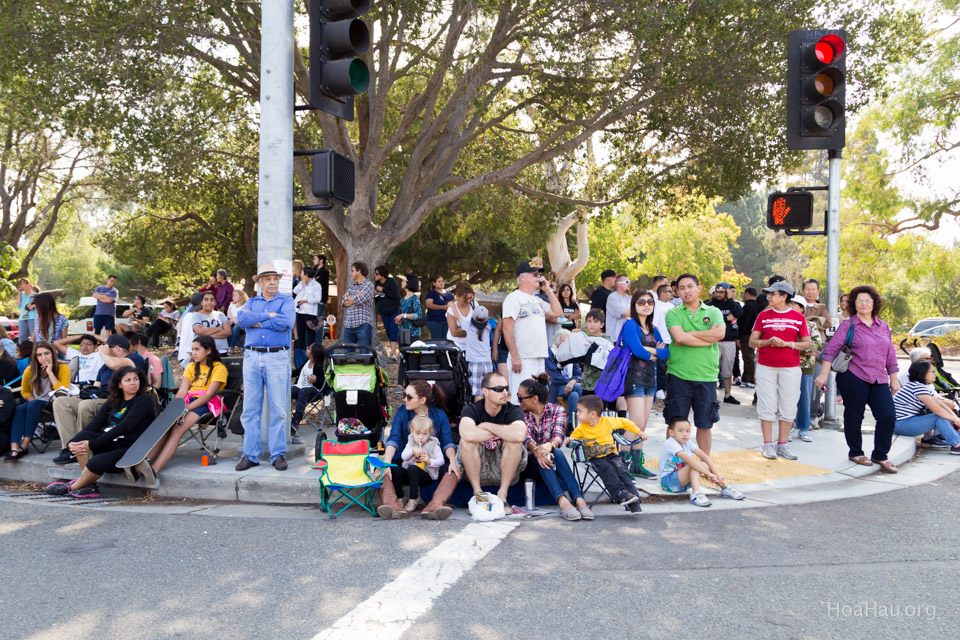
752 254
9 264
614 244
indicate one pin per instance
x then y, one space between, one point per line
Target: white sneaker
783 450
661 395
804 436
700 500
769 451
732 493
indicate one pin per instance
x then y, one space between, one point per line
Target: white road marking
393 609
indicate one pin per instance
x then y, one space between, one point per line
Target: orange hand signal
780 210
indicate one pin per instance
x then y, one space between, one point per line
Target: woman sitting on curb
419 399
546 429
919 408
102 443
44 376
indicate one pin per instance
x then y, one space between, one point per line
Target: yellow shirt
63 380
205 378
598 439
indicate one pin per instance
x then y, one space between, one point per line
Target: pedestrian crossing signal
791 210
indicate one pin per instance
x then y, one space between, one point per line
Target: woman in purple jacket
870 379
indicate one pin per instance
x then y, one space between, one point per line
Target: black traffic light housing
816 89
337 37
333 177
790 210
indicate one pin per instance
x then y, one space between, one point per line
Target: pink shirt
874 356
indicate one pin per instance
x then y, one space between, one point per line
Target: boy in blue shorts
682 462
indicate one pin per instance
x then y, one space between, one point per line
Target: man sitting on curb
73 413
492 431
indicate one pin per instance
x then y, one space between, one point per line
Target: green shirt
697 364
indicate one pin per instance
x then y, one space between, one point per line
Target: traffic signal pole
275 196
830 420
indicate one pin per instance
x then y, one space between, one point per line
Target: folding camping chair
319 405
585 472
345 467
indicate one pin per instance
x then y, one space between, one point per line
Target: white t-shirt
89 364
530 323
305 371
660 309
669 460
616 305
478 348
462 321
190 320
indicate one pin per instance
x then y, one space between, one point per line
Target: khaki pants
73 414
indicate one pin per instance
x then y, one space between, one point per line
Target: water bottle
528 487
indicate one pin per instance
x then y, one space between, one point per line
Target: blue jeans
391 328
572 399
802 421
560 478
270 370
26 417
919 425
235 334
26 329
358 335
438 329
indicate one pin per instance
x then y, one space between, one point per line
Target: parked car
12 327
81 318
932 327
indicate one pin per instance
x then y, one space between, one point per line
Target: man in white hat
268 319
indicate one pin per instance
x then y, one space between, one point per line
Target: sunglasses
500 388
645 302
520 397
407 396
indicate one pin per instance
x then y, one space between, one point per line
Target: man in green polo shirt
694 363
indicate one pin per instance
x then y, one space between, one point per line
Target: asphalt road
875 567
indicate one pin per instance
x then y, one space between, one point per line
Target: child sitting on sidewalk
596 431
422 458
680 469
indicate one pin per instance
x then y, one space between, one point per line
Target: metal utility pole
275 199
830 420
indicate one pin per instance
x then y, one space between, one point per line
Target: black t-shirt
598 299
748 318
323 279
8 370
390 302
508 414
732 330
122 424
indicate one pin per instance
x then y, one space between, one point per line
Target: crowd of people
542 375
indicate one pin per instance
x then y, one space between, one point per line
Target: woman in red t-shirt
779 335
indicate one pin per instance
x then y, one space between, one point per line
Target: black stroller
442 363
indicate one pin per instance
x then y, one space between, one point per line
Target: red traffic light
791 210
830 48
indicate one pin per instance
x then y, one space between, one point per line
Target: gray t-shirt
106 308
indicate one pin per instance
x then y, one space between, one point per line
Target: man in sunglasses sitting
492 431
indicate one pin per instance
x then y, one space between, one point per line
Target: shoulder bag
842 362
610 385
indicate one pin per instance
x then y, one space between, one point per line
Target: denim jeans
572 399
802 420
857 394
358 335
26 417
438 329
26 329
919 425
270 371
390 327
235 333
559 478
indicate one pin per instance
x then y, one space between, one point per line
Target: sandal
13 456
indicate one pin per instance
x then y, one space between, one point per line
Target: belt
266 349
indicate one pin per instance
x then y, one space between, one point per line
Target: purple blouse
874 357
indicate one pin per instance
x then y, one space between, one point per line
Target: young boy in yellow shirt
596 431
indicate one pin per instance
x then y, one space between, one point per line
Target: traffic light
791 210
816 89
333 176
337 36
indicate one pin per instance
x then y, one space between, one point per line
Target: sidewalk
822 471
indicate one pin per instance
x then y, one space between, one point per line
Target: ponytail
433 393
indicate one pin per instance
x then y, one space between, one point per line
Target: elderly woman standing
870 377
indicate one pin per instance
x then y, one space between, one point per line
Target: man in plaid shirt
358 307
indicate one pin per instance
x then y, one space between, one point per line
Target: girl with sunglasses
646 347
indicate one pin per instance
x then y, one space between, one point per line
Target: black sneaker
59 488
730 400
65 457
634 507
955 451
936 442
754 403
627 498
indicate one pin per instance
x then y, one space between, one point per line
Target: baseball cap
116 340
724 285
480 316
607 273
800 300
530 266
781 287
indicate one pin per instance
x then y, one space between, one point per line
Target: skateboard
136 455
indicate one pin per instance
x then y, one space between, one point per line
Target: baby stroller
439 362
945 383
359 394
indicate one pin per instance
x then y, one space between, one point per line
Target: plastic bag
486 511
